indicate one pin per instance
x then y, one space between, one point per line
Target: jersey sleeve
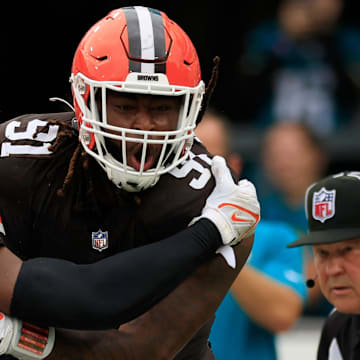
24 145
15 217
15 183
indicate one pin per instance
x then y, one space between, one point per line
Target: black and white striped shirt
340 337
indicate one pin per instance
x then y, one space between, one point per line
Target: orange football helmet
135 50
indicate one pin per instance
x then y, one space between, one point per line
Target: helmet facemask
97 135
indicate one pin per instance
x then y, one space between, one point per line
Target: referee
333 212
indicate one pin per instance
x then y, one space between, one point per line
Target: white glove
24 341
6 332
234 209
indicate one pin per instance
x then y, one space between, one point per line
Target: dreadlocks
209 89
67 132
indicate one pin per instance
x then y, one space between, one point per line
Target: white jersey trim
334 351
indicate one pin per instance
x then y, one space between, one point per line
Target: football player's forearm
9 269
105 344
167 327
91 345
174 321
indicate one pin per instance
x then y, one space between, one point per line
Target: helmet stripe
132 23
159 35
146 39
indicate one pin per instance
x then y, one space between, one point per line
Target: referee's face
338 268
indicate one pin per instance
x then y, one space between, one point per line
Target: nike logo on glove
234 216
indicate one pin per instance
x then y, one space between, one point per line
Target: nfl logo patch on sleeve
100 240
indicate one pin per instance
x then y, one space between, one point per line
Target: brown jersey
94 219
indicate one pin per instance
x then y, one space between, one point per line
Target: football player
115 176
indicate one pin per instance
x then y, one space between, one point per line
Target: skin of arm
267 302
163 331
10 266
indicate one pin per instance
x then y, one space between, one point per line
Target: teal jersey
234 336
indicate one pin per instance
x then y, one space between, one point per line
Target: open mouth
136 159
134 155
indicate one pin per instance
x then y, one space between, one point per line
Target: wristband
25 341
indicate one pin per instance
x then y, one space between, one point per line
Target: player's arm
163 331
212 280
76 290
271 304
272 292
10 266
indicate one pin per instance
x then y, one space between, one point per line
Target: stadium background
39 39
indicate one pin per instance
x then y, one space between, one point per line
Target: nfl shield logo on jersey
100 240
323 206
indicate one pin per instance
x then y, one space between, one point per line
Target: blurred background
38 42
288 87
